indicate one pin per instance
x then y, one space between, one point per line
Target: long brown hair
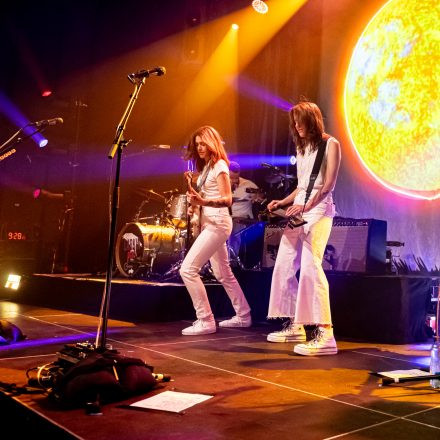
213 140
309 115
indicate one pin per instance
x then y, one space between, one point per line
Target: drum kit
153 247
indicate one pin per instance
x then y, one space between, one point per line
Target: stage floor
260 390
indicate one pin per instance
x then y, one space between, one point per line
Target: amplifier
271 242
355 245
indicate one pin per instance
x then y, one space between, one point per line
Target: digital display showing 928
16 235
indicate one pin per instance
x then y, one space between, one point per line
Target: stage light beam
232 55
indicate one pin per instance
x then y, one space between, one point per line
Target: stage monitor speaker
355 245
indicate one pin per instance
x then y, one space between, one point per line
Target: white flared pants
307 301
211 245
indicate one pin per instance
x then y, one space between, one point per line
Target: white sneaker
322 344
200 327
290 333
236 321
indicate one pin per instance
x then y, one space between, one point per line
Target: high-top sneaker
323 343
200 327
237 321
290 333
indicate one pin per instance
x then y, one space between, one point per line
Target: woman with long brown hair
306 302
214 198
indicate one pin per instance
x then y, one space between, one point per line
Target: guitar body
194 220
293 222
196 227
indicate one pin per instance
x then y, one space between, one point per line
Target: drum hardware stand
136 218
145 270
235 258
63 221
173 272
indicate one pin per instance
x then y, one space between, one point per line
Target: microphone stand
14 140
116 149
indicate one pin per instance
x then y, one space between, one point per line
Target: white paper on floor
171 401
399 374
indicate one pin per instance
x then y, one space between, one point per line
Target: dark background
82 51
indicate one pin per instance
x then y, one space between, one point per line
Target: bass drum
150 247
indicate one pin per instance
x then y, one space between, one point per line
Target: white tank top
304 168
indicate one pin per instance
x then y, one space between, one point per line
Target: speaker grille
355 245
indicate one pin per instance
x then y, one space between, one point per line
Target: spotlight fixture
292 160
260 6
235 27
45 93
13 281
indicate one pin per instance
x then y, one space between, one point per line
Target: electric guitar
194 221
293 222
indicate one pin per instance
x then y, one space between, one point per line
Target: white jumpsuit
306 301
211 245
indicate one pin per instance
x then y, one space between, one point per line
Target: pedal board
73 353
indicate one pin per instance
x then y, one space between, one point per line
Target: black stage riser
386 309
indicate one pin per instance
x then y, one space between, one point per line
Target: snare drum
177 209
139 243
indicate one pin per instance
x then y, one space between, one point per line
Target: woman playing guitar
213 198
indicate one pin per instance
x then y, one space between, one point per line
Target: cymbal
272 178
278 177
150 194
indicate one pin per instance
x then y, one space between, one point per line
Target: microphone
268 165
45 122
146 73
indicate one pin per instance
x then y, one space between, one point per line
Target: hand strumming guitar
194 198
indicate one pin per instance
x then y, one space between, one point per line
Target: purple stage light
254 161
8 109
249 88
77 337
154 163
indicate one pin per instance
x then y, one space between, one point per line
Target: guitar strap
315 170
203 177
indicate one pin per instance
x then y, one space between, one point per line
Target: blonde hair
309 115
211 137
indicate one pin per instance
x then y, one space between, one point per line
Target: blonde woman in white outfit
306 301
214 198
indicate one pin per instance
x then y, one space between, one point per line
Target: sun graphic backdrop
391 97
